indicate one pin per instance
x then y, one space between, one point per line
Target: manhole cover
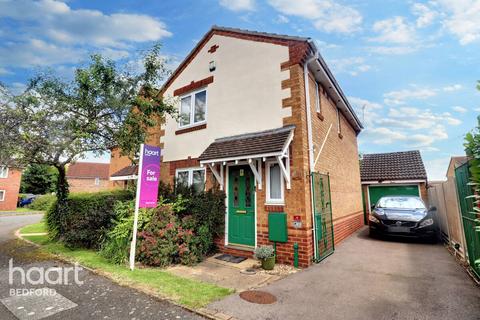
249 271
260 297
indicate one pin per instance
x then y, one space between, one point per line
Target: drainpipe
310 147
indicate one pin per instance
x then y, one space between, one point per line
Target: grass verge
187 292
34 228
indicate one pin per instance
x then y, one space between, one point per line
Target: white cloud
238 5
385 135
352 65
425 14
326 15
394 30
437 168
392 50
57 21
367 110
453 87
462 19
4 71
282 19
401 96
37 52
460 109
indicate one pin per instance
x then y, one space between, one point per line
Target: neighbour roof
458 161
88 170
250 144
131 170
407 165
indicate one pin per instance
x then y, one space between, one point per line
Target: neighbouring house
394 173
263 118
10 178
444 196
88 176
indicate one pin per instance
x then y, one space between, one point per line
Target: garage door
376 192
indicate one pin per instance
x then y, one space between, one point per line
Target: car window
401 203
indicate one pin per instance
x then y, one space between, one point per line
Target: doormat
230 258
259 297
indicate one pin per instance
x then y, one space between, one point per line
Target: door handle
241 211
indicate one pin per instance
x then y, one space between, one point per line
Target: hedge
43 203
85 218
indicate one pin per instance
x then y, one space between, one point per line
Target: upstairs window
194 177
193 108
2 195
3 172
97 181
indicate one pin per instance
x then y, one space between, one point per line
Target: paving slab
370 279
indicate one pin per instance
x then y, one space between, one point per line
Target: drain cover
260 297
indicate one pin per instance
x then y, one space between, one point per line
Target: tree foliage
39 179
54 121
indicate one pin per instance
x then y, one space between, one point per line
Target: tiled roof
131 170
407 165
250 144
88 170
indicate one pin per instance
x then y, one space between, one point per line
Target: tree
55 122
39 179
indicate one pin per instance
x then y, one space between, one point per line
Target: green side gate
322 209
466 202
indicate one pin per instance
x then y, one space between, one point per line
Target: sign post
148 178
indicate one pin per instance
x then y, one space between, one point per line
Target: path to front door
241 206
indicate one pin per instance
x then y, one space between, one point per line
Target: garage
392 174
375 192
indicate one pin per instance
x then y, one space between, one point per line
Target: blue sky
409 67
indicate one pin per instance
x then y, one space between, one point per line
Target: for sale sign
149 176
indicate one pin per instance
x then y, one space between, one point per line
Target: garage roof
406 165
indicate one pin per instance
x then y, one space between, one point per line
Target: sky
409 68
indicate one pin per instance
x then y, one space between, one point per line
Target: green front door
376 192
241 206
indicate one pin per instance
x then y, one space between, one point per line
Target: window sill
190 129
320 116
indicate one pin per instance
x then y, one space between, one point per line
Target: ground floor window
194 177
274 183
2 195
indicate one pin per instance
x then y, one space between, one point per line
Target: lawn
34 228
187 292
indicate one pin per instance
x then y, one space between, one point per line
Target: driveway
370 279
96 298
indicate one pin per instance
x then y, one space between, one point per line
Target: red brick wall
87 185
11 185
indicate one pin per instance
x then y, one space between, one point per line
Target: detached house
263 118
10 178
88 176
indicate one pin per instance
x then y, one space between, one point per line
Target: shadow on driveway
371 279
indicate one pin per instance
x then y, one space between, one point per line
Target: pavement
370 279
92 297
232 275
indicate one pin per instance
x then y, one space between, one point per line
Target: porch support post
257 175
218 176
285 173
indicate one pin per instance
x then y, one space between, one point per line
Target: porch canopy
252 148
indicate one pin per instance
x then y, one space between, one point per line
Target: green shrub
205 209
165 240
43 203
264 252
116 246
84 219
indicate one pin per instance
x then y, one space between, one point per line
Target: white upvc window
191 177
275 187
3 172
2 195
97 181
317 98
193 108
